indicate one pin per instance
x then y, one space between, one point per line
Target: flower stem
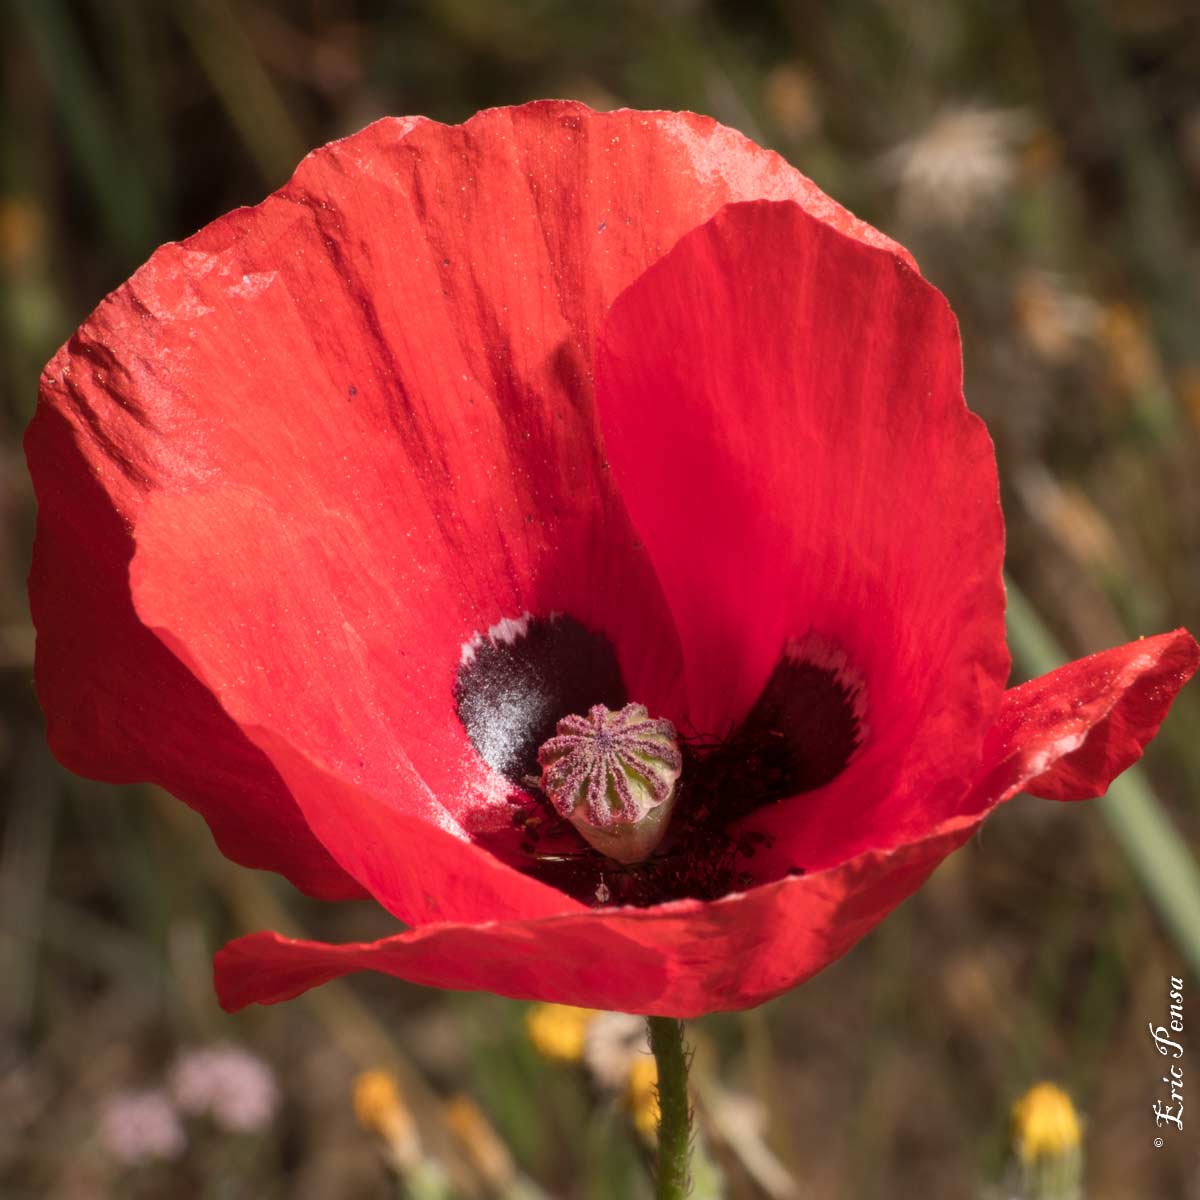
675 1114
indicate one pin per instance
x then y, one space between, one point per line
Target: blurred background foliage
1042 160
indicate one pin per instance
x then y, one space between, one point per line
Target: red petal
1067 735
680 960
347 429
119 706
782 406
418 870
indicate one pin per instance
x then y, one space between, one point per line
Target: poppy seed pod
613 775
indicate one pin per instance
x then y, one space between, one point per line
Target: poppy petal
782 407
120 707
1068 734
418 870
682 959
374 389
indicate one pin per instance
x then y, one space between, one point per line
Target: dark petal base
800 734
514 686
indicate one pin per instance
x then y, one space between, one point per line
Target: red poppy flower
348 499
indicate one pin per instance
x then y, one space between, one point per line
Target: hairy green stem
675 1115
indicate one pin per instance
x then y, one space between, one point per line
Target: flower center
613 775
594 812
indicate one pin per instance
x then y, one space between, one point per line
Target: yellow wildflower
380 1109
1047 1138
475 1134
1046 1124
557 1030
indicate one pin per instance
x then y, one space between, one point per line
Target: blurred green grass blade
124 205
136 38
1156 851
246 90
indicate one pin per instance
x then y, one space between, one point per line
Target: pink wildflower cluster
233 1087
140 1127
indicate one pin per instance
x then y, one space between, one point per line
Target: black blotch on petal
799 735
511 693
